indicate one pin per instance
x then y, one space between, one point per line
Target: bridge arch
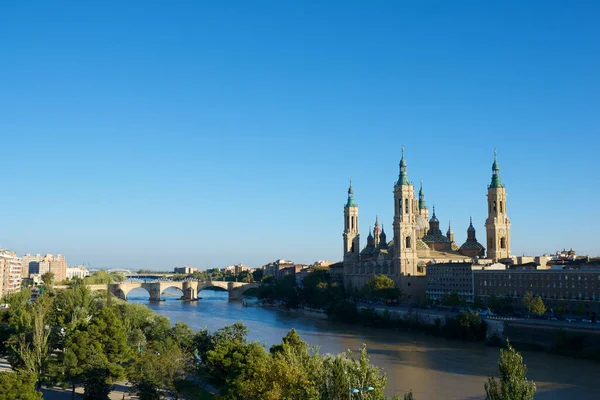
135 291
164 288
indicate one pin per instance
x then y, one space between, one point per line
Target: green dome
496 181
403 177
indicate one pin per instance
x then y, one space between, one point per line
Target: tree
528 300
513 383
562 308
31 349
538 307
158 367
381 286
48 278
95 383
477 303
452 299
18 386
117 276
99 278
257 274
100 345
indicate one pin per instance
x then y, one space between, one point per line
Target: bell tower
497 225
351 235
405 224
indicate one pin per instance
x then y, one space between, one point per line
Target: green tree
158 367
99 345
318 290
562 308
286 290
538 307
99 278
117 276
183 335
18 386
48 278
257 274
494 302
95 383
381 286
528 301
477 303
513 383
451 299
31 349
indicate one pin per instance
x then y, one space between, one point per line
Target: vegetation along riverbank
76 338
376 305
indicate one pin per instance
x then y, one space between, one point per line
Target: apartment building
10 272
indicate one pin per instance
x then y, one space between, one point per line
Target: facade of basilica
417 239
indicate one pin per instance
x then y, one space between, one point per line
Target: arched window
501 207
502 243
494 205
408 242
406 205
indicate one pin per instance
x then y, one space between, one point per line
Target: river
433 368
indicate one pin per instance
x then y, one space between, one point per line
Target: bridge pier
189 292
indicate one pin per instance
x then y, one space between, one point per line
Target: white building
78 271
11 270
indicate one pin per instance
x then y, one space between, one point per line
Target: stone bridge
190 289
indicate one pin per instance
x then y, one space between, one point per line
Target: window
502 243
406 205
408 242
494 205
501 208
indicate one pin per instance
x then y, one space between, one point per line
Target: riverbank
534 335
434 369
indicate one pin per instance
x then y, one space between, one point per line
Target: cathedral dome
435 238
421 222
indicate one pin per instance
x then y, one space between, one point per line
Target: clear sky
152 134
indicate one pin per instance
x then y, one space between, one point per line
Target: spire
470 228
422 204
471 232
433 217
403 176
350 202
449 229
376 220
382 239
496 181
370 234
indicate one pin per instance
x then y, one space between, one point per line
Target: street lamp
352 391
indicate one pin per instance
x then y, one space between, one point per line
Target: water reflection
433 368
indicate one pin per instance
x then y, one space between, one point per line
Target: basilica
417 238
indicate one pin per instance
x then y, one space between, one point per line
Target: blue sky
152 134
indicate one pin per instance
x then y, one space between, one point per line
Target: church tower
497 225
449 233
376 232
405 224
351 236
